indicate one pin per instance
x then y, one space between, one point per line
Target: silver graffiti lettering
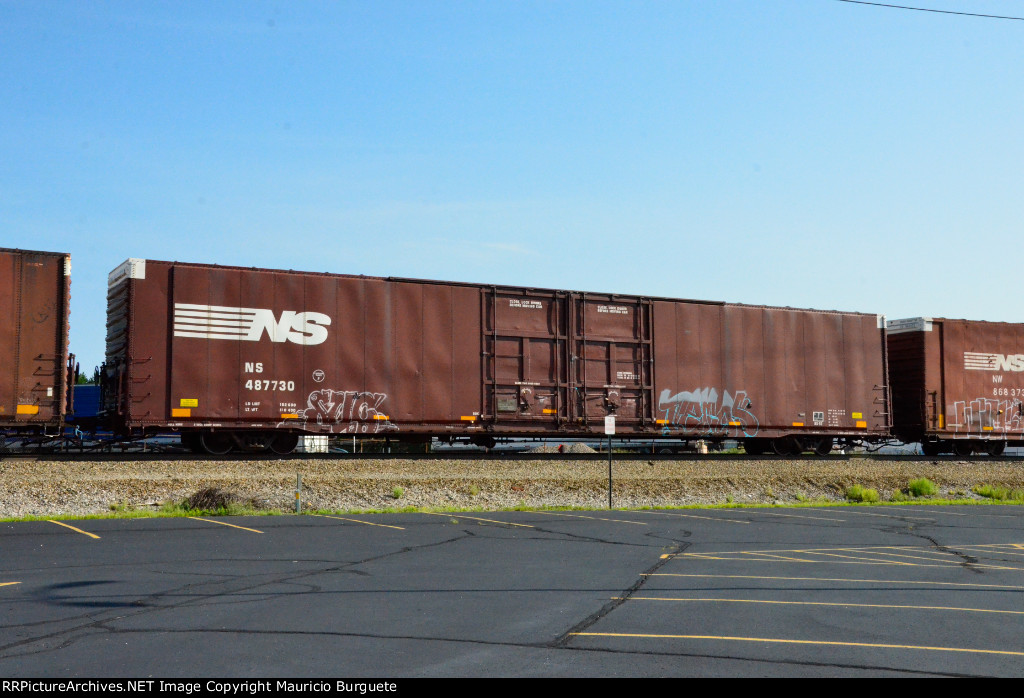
347 412
987 414
702 412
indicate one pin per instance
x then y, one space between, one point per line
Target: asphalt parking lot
821 591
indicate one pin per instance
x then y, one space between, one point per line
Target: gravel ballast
51 488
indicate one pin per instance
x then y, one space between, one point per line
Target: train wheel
787 446
824 446
963 448
283 444
995 448
216 443
931 448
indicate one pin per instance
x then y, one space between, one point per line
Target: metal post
609 429
609 471
298 493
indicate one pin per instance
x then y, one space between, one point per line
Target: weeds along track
76 486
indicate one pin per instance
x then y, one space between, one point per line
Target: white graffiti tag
987 414
347 412
701 412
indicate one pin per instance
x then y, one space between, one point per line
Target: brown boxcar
35 291
957 385
234 356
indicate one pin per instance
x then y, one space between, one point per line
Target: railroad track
107 456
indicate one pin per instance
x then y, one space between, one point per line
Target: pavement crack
968 562
593 618
234 584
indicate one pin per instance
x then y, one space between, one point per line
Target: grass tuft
999 493
859 493
397 492
922 487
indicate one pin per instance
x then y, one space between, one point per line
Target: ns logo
249 324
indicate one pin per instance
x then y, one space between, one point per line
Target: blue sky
806 153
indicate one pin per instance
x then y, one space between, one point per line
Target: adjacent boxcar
35 292
237 357
957 385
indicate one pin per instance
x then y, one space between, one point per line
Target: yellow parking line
972 514
948 559
830 603
368 523
794 516
196 518
84 533
847 549
688 516
700 556
477 518
592 518
7 584
774 558
849 510
993 550
835 579
824 643
867 559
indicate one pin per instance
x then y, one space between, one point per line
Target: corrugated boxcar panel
322 395
220 395
783 369
290 294
935 389
830 384
467 370
951 336
406 396
678 371
42 349
378 357
9 298
347 372
876 378
744 374
145 378
748 371
820 334
436 369
674 398
192 358
710 345
666 351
